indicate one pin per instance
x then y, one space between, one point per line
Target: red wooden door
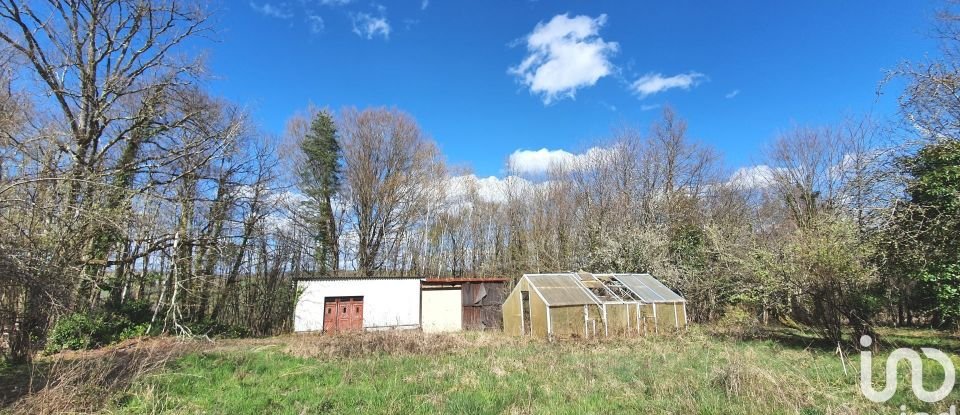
345 317
357 321
330 315
343 314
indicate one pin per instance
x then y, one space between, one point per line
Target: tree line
125 184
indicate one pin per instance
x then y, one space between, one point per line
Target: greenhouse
589 305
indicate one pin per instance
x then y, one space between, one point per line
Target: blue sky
738 71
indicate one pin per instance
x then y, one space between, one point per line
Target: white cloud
754 177
732 94
368 26
541 161
424 4
316 23
271 10
488 189
462 191
538 161
565 54
654 83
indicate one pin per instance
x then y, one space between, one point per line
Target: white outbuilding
441 308
354 304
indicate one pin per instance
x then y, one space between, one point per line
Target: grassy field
487 373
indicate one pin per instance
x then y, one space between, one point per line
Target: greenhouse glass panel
560 289
648 288
659 288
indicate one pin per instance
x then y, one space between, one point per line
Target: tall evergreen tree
935 195
320 180
925 241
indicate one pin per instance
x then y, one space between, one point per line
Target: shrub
86 330
115 323
138 311
76 331
738 322
134 331
212 328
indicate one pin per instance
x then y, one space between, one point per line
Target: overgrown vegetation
726 370
124 181
97 328
85 382
81 331
930 220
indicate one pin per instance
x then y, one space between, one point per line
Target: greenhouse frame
590 305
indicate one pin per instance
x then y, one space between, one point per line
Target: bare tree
929 103
840 168
390 168
111 70
682 167
96 57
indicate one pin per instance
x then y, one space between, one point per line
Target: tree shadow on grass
21 379
888 338
85 381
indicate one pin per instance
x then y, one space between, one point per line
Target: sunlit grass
692 373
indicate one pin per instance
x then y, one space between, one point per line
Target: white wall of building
387 303
442 310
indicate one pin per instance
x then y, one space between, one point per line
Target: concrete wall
441 310
387 303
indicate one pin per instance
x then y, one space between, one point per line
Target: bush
87 330
739 322
138 312
115 323
77 331
132 332
212 328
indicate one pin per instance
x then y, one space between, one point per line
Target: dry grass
475 372
742 377
83 382
411 372
79 381
389 342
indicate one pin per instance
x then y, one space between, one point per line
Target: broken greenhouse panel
588 305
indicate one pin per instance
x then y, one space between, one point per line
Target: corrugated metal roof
353 278
462 280
561 289
649 289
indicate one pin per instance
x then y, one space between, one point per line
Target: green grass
694 373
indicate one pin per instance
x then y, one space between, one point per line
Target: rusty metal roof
463 280
353 278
